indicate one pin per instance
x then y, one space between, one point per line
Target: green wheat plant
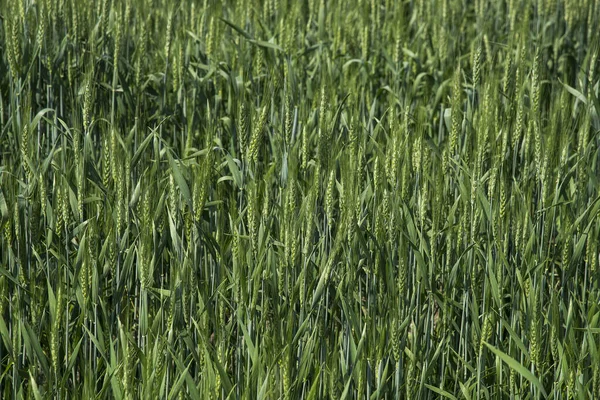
320 199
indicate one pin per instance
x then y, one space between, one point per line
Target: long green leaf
518 367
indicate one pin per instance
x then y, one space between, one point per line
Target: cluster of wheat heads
367 199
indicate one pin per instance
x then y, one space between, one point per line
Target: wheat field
317 199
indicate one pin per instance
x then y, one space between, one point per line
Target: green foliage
281 199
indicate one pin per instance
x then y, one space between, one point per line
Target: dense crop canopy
265 199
